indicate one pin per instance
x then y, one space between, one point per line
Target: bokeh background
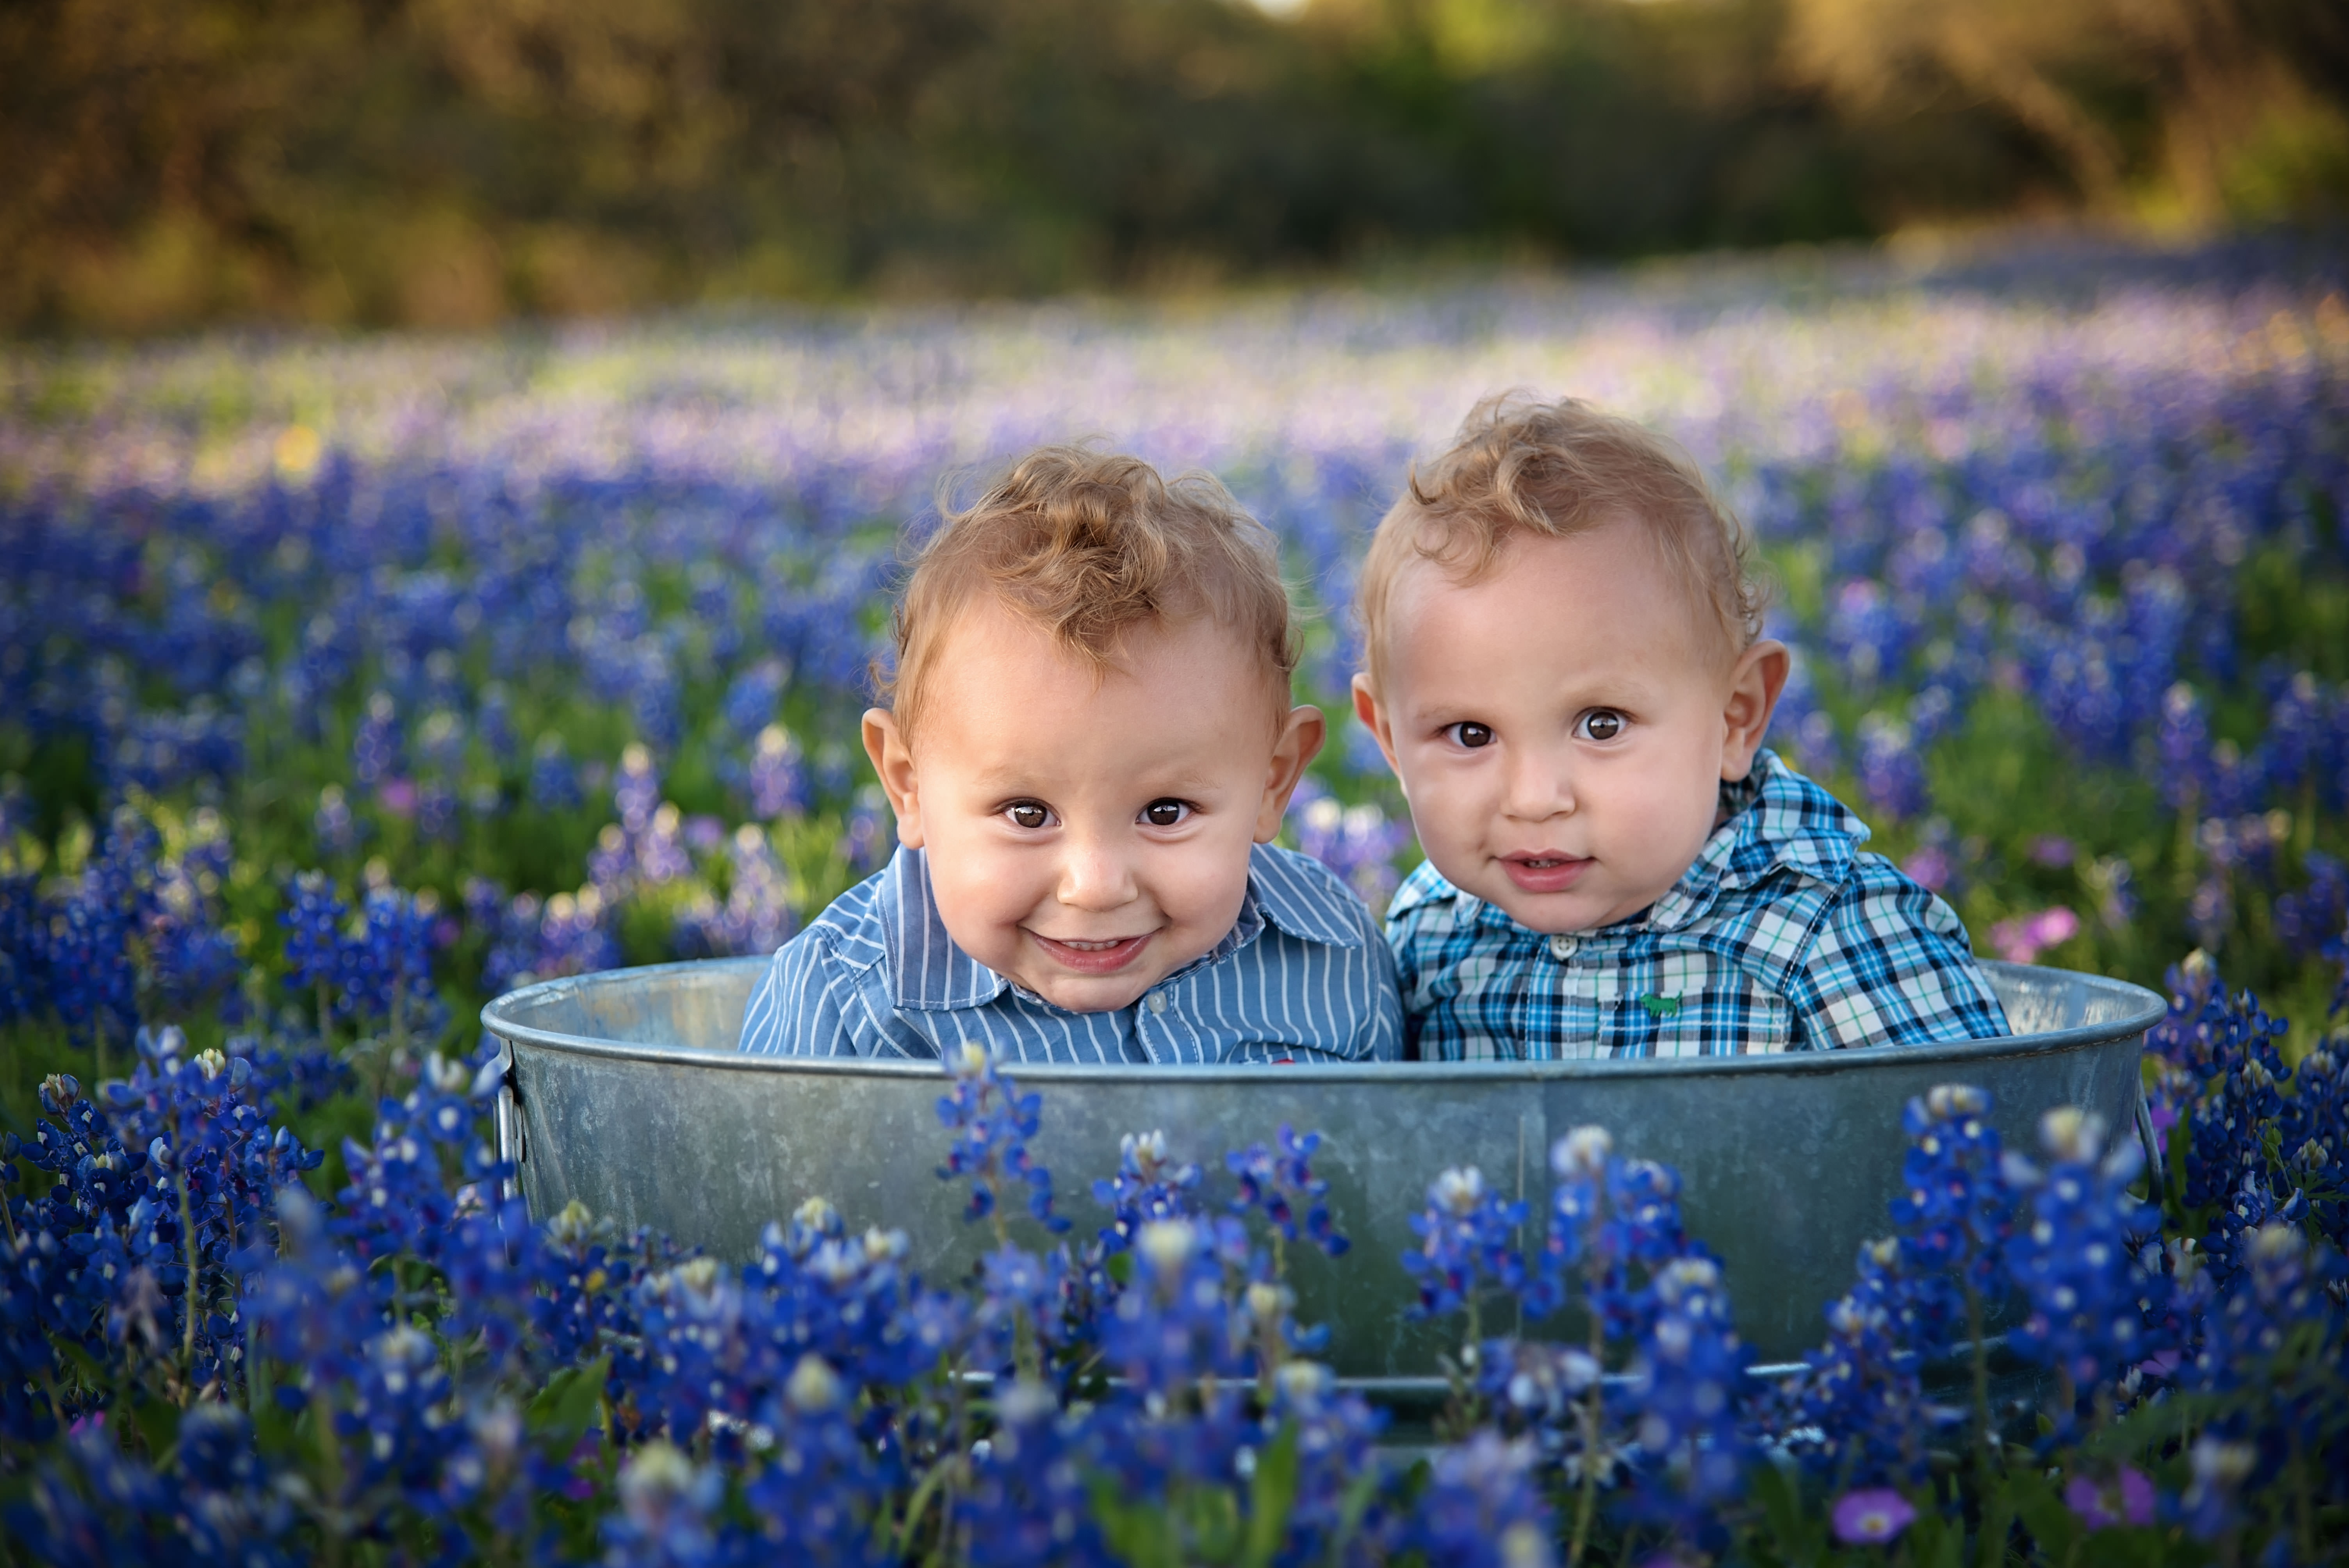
454 458
454 461
448 163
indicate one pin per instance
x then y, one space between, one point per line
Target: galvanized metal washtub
625 1091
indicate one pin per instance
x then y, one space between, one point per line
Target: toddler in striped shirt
1566 672
1089 743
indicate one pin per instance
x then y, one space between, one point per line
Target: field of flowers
345 683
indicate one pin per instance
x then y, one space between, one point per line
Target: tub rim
2149 1009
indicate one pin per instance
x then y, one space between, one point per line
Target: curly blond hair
1556 469
1085 546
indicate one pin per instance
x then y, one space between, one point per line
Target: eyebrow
1009 783
1617 690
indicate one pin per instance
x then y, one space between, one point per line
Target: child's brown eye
1027 814
1473 734
1602 723
1165 813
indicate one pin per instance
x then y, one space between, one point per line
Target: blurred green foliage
450 162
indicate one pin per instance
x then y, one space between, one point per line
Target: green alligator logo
1661 1007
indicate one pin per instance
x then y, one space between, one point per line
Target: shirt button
1157 1001
1563 946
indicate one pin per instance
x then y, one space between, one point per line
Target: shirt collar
1778 820
929 973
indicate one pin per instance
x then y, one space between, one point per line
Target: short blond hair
1085 547
1558 470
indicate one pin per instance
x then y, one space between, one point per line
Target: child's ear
1375 719
1301 734
893 760
1755 683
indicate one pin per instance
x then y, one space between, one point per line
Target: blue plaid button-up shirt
1783 936
1302 975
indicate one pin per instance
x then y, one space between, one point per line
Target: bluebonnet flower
2209 1508
1026 1500
991 1122
2074 1255
1339 1467
1173 1327
759 912
1686 1379
1280 1183
1891 774
665 1516
1870 633
870 834
1859 1409
388 962
332 826
1482 1508
316 945
1356 841
1148 1186
92 1503
1955 1211
748 707
2307 918
2183 748
554 779
774 780
1468 1243
493 721
377 748
1612 1221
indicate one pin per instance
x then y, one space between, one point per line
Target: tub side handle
506 1118
2157 1162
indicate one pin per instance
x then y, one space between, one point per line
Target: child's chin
1549 913
1087 994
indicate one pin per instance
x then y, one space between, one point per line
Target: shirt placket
1582 961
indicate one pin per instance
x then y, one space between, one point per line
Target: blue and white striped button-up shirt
1783 936
1303 976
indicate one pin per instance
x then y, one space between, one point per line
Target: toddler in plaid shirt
1566 673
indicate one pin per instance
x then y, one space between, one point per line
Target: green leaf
92 1374
2053 1527
273 1431
1272 1492
159 1423
569 1404
1211 1517
1934 1542
1800 1540
1997 1522
1139 1534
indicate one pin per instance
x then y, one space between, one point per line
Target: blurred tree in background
448 163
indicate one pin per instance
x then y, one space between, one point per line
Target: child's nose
1095 876
1539 786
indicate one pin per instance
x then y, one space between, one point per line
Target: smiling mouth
1546 871
1104 956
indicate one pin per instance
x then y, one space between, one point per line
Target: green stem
398 1046
1992 1551
1585 1502
2304 1507
256 1375
190 1298
330 1462
916 1506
